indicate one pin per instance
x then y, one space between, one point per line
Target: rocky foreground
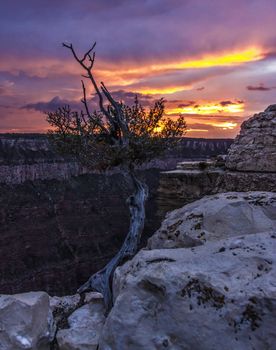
214 288
206 279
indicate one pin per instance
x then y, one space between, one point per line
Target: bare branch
90 76
88 52
84 101
119 113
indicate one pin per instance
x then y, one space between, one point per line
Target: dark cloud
259 87
52 105
200 88
228 102
186 104
136 30
128 97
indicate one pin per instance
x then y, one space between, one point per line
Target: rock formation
30 157
220 294
217 296
215 217
214 290
26 322
255 147
85 326
250 166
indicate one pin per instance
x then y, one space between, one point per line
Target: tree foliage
116 134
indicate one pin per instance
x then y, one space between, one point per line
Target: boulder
216 217
218 296
254 149
63 307
26 321
85 327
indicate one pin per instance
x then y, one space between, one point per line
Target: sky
212 60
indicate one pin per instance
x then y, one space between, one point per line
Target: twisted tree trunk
101 281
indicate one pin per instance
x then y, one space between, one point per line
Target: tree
116 135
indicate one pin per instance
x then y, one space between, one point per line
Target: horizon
19 134
212 62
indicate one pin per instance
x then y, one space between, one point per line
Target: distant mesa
254 149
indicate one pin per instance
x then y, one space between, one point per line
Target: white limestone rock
254 149
216 217
63 307
26 321
218 296
85 327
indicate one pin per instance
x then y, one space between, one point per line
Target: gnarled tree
114 135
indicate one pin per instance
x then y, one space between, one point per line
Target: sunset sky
212 60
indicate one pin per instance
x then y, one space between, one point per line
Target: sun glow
250 54
197 130
165 90
208 108
224 125
228 59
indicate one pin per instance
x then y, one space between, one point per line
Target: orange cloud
207 108
163 90
215 60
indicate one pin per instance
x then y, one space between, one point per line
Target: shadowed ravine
56 232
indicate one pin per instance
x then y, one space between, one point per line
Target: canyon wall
250 165
59 223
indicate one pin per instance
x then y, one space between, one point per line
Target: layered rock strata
255 147
215 217
250 166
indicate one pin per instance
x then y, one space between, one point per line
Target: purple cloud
126 97
259 87
186 104
133 34
52 105
228 102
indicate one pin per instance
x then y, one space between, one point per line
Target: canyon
57 221
204 280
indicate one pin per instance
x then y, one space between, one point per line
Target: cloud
206 107
6 87
210 131
128 97
229 103
148 30
186 104
52 105
170 48
260 87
